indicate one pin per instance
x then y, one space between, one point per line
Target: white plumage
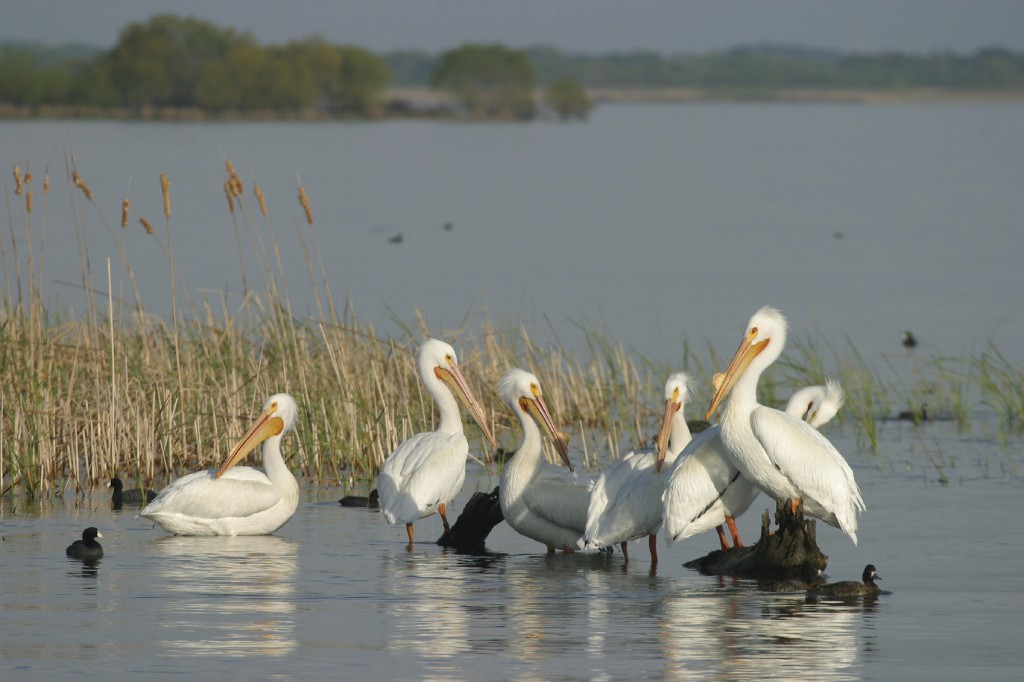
705 490
544 502
626 501
816 405
427 471
785 457
236 500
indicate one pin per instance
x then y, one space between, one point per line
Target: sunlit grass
120 390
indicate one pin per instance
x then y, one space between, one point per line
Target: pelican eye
535 390
675 395
753 332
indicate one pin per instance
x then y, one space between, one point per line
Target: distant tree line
174 62
766 67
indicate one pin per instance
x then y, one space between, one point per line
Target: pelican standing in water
784 456
705 490
544 502
236 500
426 471
626 501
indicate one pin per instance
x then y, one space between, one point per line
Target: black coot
87 548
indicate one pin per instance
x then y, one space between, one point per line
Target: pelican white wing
426 470
626 501
814 466
552 508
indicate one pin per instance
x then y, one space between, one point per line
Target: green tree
568 99
347 80
161 62
490 81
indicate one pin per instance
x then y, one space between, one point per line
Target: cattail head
46 181
146 226
230 195
126 206
259 197
80 183
233 182
28 175
18 189
165 187
304 202
28 201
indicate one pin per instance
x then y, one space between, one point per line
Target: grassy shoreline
118 390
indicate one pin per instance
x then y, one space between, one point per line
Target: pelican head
437 359
762 343
521 391
676 389
279 416
826 405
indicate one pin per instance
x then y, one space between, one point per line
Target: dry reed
150 399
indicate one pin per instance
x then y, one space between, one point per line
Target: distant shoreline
421 102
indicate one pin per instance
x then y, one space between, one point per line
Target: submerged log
791 552
481 514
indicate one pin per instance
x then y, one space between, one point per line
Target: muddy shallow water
336 593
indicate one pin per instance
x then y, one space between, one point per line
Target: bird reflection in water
228 596
430 602
743 633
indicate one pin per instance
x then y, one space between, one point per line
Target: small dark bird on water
120 496
915 416
908 340
397 239
371 502
852 588
87 548
448 227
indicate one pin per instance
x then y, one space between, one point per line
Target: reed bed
120 390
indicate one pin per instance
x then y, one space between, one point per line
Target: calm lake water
336 594
657 223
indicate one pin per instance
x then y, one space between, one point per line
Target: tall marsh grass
120 390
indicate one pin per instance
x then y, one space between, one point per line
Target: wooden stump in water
789 552
481 515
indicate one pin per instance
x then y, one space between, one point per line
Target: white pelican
544 502
236 500
816 405
785 457
426 471
705 490
626 501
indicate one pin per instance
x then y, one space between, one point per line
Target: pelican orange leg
736 542
721 538
444 519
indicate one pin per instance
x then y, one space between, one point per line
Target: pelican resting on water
236 500
544 502
426 471
626 501
705 490
784 456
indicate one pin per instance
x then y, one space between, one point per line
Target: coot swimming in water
132 496
87 548
852 588
371 502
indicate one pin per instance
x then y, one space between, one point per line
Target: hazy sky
591 26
